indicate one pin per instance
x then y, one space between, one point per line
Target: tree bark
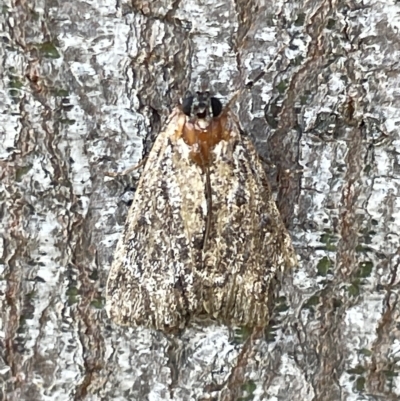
86 87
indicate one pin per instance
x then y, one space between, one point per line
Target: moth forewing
178 260
244 249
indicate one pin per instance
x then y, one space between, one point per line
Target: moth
203 239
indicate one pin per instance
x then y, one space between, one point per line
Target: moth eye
187 105
216 106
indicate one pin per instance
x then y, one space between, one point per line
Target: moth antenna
128 170
254 81
233 98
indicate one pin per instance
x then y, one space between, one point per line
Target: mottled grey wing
248 243
151 278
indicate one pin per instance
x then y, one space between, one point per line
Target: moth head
201 106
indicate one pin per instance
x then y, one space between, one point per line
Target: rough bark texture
84 89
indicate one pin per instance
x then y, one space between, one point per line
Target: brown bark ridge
84 89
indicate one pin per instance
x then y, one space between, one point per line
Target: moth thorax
204 126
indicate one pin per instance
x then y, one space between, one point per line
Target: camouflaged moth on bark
203 238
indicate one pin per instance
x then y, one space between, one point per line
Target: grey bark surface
85 87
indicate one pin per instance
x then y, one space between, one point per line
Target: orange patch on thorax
203 139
